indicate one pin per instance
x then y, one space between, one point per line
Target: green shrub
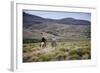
64 49
74 57
72 52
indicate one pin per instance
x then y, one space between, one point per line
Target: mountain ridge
28 18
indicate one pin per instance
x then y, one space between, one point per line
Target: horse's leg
40 45
45 44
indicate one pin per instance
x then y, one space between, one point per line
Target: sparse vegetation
70 50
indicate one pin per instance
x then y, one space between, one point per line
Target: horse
53 42
43 43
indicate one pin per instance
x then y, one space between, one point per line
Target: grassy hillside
70 50
60 31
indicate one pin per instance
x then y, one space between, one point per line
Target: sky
60 14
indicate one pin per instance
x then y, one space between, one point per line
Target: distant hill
62 29
29 19
74 21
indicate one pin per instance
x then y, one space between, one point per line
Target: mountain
62 29
29 20
29 17
74 21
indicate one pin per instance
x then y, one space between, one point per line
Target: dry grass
70 50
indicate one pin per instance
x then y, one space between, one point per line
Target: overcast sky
60 15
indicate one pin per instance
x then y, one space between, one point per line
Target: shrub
64 49
74 57
72 52
85 56
46 57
